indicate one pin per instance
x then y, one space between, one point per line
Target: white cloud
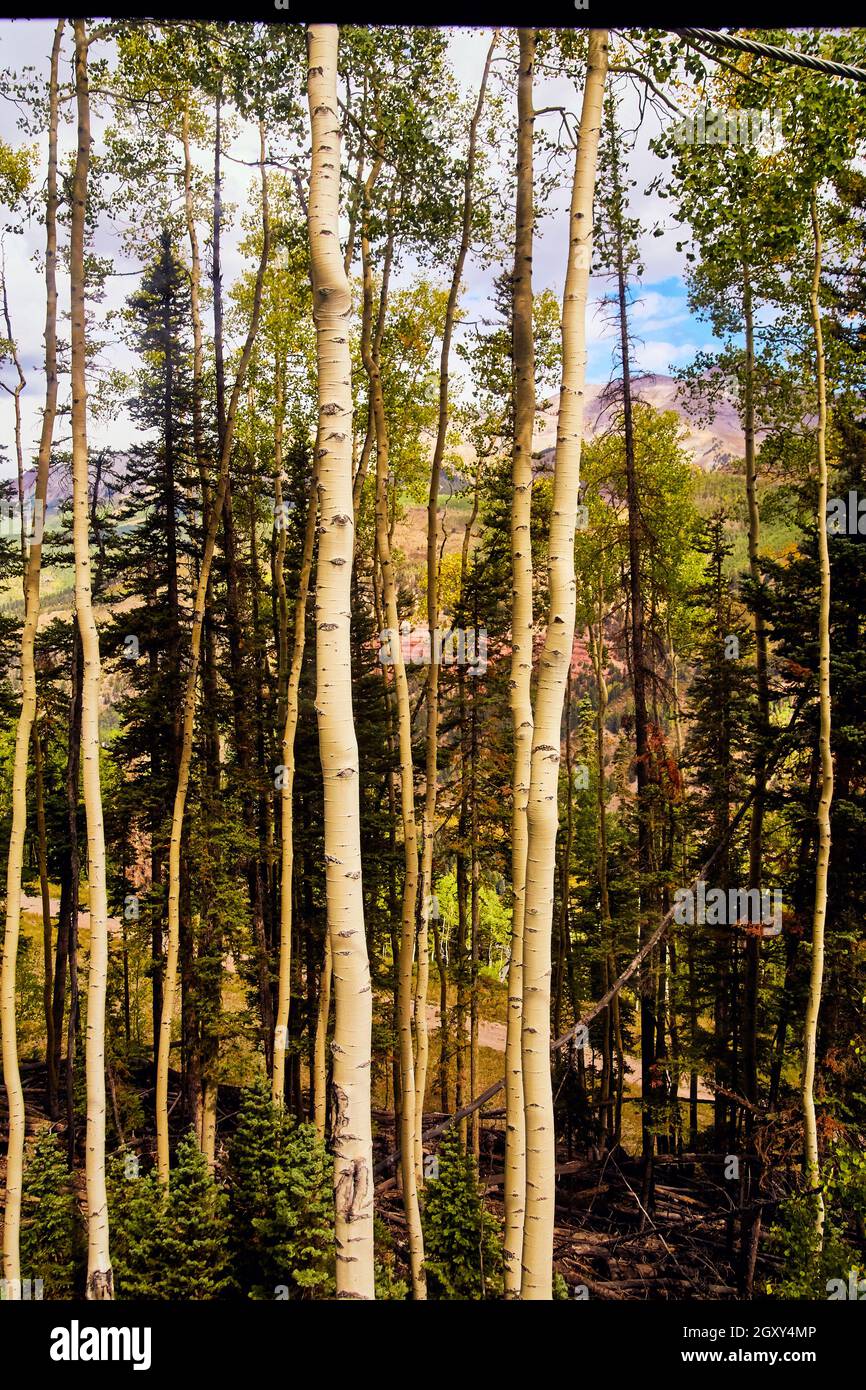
653 312
660 356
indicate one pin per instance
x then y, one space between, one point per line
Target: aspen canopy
433 636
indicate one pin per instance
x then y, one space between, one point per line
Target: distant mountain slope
711 446
112 479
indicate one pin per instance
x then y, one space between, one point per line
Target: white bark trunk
99 1274
11 1073
213 521
813 1006
432 684
407 790
521 659
351 1130
542 808
287 857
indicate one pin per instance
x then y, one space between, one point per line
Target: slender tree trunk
287 858
462 885
174 875
523 377
15 391
407 806
565 870
444 1030
14 862
240 685
597 648
792 941
756 824
407 789
392 835
280 601
542 809
431 746
320 1069
47 944
195 306
648 974
67 931
751 1218
810 1029
338 746
99 1273
475 914
38 777
210 934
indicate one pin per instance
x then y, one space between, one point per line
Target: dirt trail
34 905
492 1035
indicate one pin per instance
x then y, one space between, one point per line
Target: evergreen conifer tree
461 1239
48 1226
279 1203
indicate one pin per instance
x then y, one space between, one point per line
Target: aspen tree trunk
523 370
199 447
67 931
410 834
47 943
363 465
320 1054
612 1033
750 1220
338 745
810 1030
38 778
263 801
392 829
242 698
11 347
287 859
799 897
542 806
474 858
756 824
207 1118
279 600
431 771
565 872
99 1273
461 954
474 900
464 866
407 790
170 985
648 971
363 191
14 863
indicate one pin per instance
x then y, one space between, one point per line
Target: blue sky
665 332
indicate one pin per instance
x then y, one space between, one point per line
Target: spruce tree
48 1229
192 1235
146 562
461 1239
280 1204
135 1209
169 1245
